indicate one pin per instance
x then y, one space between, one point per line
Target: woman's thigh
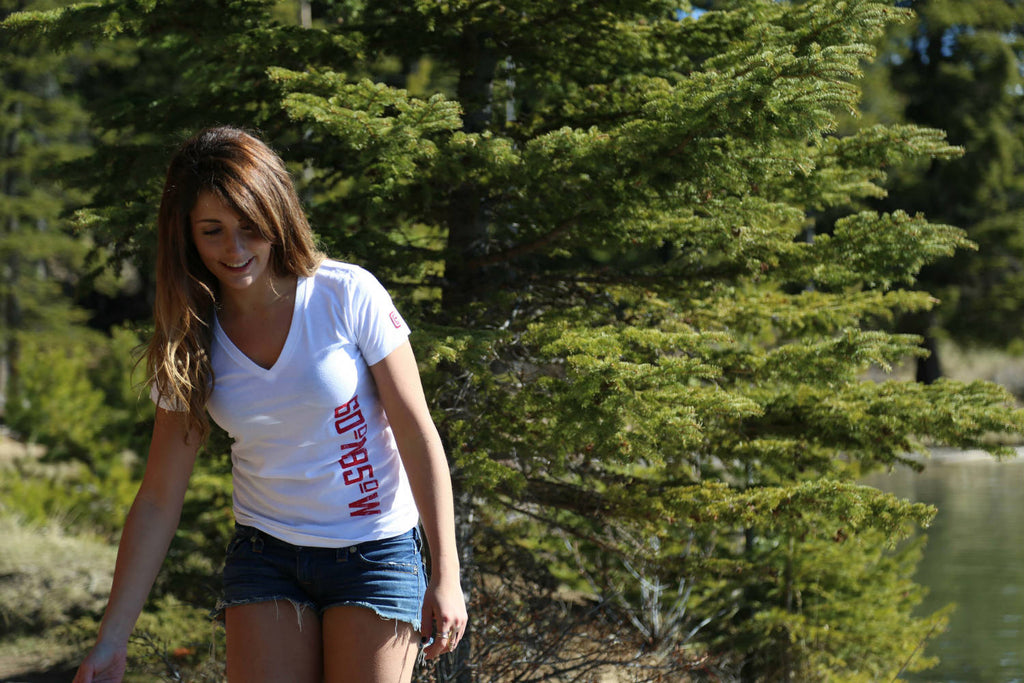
361 646
273 641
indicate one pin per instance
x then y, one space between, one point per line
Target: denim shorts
386 576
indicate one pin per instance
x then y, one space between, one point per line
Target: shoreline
947 455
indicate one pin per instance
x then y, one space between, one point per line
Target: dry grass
49 579
991 365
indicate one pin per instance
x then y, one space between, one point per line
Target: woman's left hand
444 617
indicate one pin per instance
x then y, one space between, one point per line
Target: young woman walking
336 462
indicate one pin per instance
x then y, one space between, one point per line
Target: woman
306 364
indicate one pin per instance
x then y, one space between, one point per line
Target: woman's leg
271 642
361 646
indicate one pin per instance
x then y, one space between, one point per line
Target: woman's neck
257 300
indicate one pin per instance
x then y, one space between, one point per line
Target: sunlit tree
596 216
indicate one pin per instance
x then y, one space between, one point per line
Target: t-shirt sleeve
165 402
377 326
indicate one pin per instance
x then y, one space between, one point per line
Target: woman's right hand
104 664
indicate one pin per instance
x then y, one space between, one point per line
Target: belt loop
257 543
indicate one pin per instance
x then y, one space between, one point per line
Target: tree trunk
467 225
11 310
467 234
929 369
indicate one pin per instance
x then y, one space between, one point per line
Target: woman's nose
236 241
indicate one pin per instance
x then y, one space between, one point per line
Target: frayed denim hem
415 623
217 613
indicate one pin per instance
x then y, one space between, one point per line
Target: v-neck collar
290 342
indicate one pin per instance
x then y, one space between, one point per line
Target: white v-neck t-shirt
314 461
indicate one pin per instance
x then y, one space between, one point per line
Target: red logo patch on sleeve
396 320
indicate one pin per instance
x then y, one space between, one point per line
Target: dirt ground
26 669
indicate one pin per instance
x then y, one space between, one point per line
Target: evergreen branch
917 648
512 253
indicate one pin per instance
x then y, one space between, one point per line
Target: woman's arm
401 393
147 534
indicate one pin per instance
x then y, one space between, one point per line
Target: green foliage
191 572
174 641
78 398
814 617
72 495
39 127
56 404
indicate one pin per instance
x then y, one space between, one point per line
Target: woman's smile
240 266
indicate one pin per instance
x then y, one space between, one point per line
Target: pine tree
39 127
960 67
595 214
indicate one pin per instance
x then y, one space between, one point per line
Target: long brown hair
248 176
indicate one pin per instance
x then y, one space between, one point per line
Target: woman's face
229 245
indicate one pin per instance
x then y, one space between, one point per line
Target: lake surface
974 557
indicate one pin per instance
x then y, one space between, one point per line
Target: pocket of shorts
393 554
235 543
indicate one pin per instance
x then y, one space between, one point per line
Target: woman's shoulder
347 284
342 273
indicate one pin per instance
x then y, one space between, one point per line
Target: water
974 558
